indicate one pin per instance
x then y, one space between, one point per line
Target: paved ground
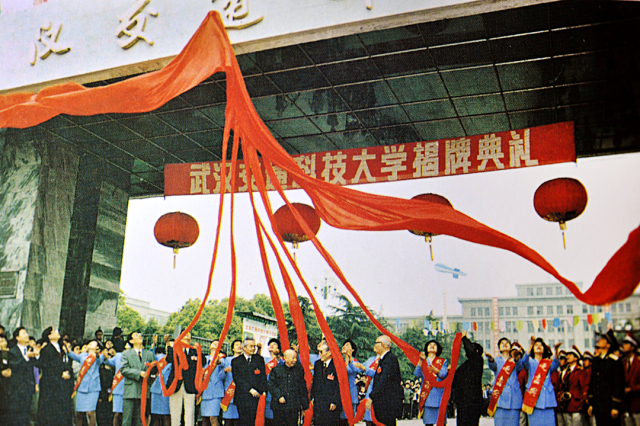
484 421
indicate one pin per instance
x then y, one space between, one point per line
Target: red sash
362 406
532 394
86 365
426 384
501 382
270 365
116 381
228 396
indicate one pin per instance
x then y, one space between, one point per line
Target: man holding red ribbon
134 370
185 391
386 394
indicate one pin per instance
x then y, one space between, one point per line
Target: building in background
547 310
147 312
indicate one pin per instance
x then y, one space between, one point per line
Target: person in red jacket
631 364
573 389
587 359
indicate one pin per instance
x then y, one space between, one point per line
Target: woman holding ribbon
87 388
436 369
213 394
539 399
506 397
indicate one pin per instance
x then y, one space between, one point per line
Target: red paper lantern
560 200
176 230
289 228
434 198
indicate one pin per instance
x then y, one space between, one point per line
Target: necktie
249 360
140 355
25 352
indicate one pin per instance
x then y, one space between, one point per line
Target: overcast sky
392 271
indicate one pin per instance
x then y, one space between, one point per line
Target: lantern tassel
175 252
563 227
429 240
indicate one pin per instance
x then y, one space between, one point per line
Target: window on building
552 342
558 291
561 340
529 326
628 307
585 309
487 326
529 310
473 312
509 327
592 309
621 307
486 312
549 291
501 311
514 310
529 292
507 310
599 308
559 309
567 291
539 310
561 328
549 310
572 342
539 291
586 325
487 344
587 344
614 308
570 309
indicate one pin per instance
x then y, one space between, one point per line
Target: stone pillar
37 187
92 280
62 220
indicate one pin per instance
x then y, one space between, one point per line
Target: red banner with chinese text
514 149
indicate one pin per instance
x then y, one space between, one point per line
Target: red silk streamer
209 51
373 418
308 416
260 411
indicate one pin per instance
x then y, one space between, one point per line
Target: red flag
589 319
544 324
475 326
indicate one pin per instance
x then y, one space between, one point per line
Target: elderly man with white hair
386 394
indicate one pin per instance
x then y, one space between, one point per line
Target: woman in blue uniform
510 402
231 415
543 413
432 351
349 350
212 395
160 411
89 389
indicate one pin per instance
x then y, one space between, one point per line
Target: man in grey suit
134 370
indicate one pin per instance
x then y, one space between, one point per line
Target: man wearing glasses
386 395
606 389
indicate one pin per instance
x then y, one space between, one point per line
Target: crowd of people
55 381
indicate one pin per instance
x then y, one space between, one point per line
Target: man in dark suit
386 394
55 392
22 385
251 381
288 390
185 392
606 387
134 371
325 389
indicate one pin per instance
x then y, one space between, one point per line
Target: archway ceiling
536 65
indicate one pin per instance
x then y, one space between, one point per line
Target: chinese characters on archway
456 156
132 27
